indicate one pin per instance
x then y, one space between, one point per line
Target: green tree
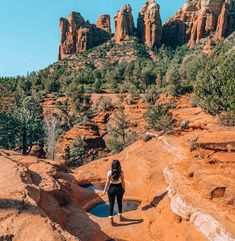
76 153
158 118
215 87
29 118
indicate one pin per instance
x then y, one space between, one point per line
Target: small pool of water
102 209
92 187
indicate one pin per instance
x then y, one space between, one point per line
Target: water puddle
102 209
93 187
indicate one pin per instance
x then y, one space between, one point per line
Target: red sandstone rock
103 22
124 24
150 24
198 19
226 21
79 35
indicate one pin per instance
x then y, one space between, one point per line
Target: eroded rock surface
199 19
124 24
150 24
78 35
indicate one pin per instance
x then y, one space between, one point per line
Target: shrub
216 84
105 104
75 154
147 138
158 118
184 124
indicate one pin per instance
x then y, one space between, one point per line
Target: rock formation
124 24
226 21
78 35
150 24
103 22
197 20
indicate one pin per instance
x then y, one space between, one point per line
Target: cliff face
150 24
103 22
124 24
199 19
78 35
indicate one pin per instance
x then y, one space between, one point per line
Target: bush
216 84
158 118
184 124
147 138
76 153
105 104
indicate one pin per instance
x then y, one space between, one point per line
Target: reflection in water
92 187
102 210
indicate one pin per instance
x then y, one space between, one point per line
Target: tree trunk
24 139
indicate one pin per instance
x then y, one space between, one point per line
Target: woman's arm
123 182
106 184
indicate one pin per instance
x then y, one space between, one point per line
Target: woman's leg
111 195
119 199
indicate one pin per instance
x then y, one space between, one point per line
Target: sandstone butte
196 21
184 194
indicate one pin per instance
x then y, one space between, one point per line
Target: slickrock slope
143 164
124 24
78 35
184 183
199 19
40 201
150 24
201 182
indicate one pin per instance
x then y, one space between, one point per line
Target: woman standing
115 185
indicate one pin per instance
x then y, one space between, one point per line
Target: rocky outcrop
103 22
150 24
199 19
124 24
226 21
78 35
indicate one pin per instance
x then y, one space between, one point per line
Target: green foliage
215 87
76 153
119 136
24 127
8 130
105 104
158 118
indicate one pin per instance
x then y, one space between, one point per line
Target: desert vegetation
122 69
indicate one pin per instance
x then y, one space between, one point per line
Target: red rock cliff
199 19
150 24
124 24
103 22
78 35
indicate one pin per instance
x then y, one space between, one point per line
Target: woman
115 185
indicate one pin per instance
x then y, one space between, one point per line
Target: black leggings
115 191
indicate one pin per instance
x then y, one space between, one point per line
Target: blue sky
29 29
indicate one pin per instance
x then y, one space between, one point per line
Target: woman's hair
116 170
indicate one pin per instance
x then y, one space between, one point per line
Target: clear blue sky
29 29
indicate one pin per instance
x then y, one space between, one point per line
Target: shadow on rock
156 200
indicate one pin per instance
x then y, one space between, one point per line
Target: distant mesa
195 21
